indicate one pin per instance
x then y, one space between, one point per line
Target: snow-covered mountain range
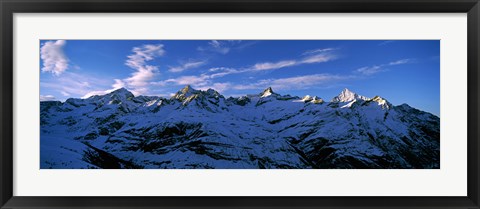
203 129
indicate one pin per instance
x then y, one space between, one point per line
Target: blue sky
402 71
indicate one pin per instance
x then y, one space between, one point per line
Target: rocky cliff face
203 129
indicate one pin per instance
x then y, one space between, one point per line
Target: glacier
196 129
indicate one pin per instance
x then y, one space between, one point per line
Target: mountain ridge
344 97
203 129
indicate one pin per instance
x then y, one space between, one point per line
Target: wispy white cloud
318 58
53 57
274 65
297 82
138 82
185 80
370 70
142 54
93 93
117 85
220 72
198 81
195 80
74 84
215 46
64 93
202 82
263 66
141 77
400 62
217 69
187 65
314 56
47 98
70 84
220 87
206 80
219 46
144 72
223 47
316 51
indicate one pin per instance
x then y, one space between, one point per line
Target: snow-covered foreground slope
203 129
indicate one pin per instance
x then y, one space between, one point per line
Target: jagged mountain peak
267 92
118 96
121 91
212 92
312 99
382 102
347 96
121 98
188 94
187 89
346 90
185 92
379 99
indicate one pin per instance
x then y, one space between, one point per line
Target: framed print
198 118
264 104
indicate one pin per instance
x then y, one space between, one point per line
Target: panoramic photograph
239 104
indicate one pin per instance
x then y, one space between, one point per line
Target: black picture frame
9 7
